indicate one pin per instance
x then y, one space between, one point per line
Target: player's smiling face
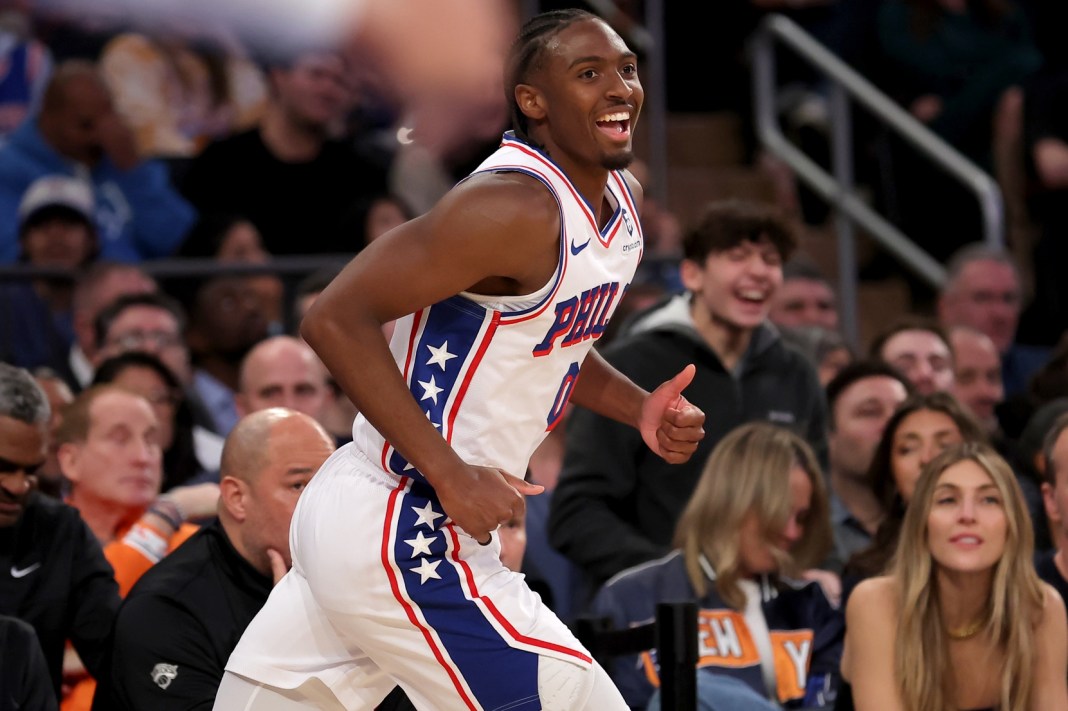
590 86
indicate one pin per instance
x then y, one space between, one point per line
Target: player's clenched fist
479 499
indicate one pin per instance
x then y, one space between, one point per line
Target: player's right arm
493 234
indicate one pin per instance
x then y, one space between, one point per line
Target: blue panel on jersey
446 345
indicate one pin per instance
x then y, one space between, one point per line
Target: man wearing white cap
55 230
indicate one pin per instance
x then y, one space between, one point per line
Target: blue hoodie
139 215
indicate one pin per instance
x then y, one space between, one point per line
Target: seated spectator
24 674
231 238
382 213
50 477
982 290
283 371
757 517
960 621
289 176
861 399
56 231
615 506
25 67
226 319
920 350
339 411
77 133
1051 564
109 451
187 613
805 298
179 88
977 375
95 288
191 453
827 351
151 323
60 582
921 428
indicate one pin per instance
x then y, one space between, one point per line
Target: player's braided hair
528 51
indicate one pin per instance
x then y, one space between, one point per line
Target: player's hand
479 499
669 424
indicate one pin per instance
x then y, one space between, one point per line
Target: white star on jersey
427 570
427 515
440 356
420 544
436 424
430 390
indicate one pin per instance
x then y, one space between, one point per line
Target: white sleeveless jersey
493 374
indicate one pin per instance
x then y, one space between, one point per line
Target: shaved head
268 459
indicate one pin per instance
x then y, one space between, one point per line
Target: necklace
968 631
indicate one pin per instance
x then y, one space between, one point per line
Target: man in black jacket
615 505
182 619
53 574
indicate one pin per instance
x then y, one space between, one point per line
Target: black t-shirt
179 624
312 207
53 575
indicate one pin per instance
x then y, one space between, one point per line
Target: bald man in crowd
179 624
78 133
283 371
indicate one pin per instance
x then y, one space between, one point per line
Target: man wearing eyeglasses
53 574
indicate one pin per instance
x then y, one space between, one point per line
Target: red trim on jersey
501 619
612 234
462 390
395 587
416 318
625 190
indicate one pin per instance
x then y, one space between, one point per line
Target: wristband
168 510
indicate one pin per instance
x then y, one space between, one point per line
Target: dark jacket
25 684
805 633
179 623
617 503
54 576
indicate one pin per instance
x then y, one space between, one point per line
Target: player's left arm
669 424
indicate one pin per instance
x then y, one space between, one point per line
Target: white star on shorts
420 544
427 515
427 570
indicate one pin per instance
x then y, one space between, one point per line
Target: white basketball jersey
493 374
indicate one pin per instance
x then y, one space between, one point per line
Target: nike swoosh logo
23 572
575 250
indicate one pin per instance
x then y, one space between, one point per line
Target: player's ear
530 101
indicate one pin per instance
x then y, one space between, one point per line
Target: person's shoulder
1053 605
190 565
50 516
503 199
876 594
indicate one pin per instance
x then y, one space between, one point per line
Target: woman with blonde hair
961 621
758 516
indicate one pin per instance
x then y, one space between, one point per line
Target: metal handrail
838 187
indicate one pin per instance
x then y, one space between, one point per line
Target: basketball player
501 290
